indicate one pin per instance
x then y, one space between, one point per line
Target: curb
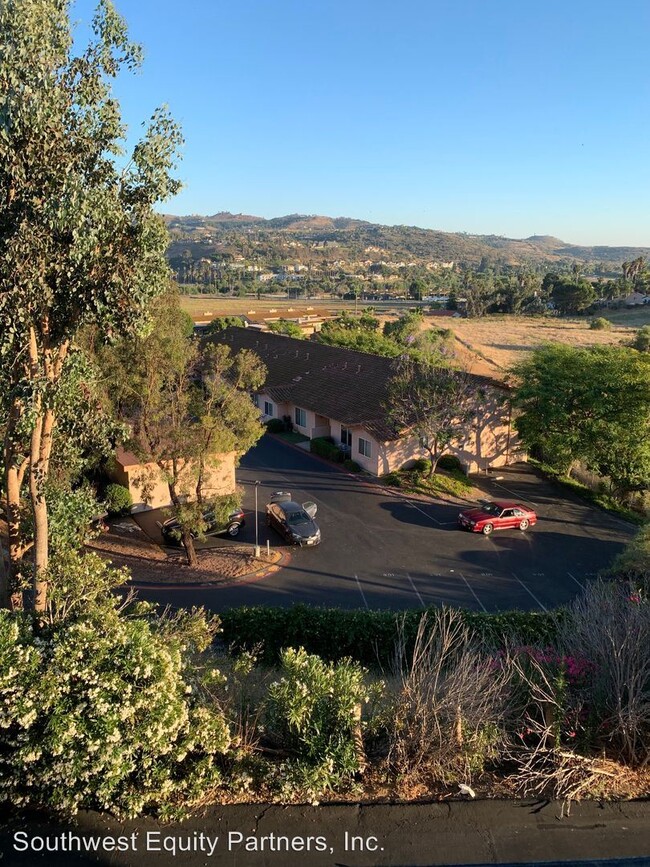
248 578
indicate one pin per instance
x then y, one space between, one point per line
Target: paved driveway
385 551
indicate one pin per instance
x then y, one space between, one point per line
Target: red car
496 516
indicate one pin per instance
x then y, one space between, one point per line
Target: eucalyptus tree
79 239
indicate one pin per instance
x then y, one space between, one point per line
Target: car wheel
487 530
233 529
525 524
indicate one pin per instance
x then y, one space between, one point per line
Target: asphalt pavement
384 550
263 835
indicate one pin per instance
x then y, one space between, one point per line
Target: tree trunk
37 478
186 536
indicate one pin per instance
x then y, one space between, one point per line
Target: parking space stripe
416 591
471 590
363 595
579 583
528 590
411 503
510 491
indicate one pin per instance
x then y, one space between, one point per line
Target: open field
633 318
501 341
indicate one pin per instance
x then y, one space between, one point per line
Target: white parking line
510 491
579 583
528 590
469 587
416 591
363 595
411 503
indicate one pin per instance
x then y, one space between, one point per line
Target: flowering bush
314 711
103 714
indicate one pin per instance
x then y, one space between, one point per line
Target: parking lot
384 550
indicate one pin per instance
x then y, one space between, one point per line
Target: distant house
309 319
330 391
634 299
149 490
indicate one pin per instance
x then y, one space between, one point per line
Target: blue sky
484 116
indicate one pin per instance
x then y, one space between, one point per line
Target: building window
364 447
346 437
268 408
256 400
301 417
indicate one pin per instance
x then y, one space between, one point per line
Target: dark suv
292 520
171 530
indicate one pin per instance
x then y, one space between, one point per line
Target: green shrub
366 636
118 500
313 710
275 425
322 447
600 324
449 462
351 465
394 479
97 709
641 341
421 466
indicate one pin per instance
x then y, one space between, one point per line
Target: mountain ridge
361 239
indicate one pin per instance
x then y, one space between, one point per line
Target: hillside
314 240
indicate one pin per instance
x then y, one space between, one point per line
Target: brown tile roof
343 384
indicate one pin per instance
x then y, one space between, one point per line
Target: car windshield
492 509
298 517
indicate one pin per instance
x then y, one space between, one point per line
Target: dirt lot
125 544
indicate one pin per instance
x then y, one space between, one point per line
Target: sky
480 116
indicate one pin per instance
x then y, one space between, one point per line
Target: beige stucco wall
488 441
149 489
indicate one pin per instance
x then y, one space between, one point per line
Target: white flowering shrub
314 712
99 711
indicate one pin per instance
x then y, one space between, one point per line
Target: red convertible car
496 516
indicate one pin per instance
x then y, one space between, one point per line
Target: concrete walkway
482 832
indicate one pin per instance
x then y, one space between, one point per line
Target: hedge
322 447
366 636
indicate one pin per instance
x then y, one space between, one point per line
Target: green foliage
633 564
275 425
404 329
361 341
70 514
324 449
598 497
311 712
434 403
98 709
641 341
591 405
600 324
569 294
422 465
449 462
366 636
80 241
284 326
351 465
223 322
117 499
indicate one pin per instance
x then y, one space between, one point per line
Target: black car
292 520
171 530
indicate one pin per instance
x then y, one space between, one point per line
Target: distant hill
310 238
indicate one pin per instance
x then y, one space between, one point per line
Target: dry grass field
498 342
487 346
209 306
